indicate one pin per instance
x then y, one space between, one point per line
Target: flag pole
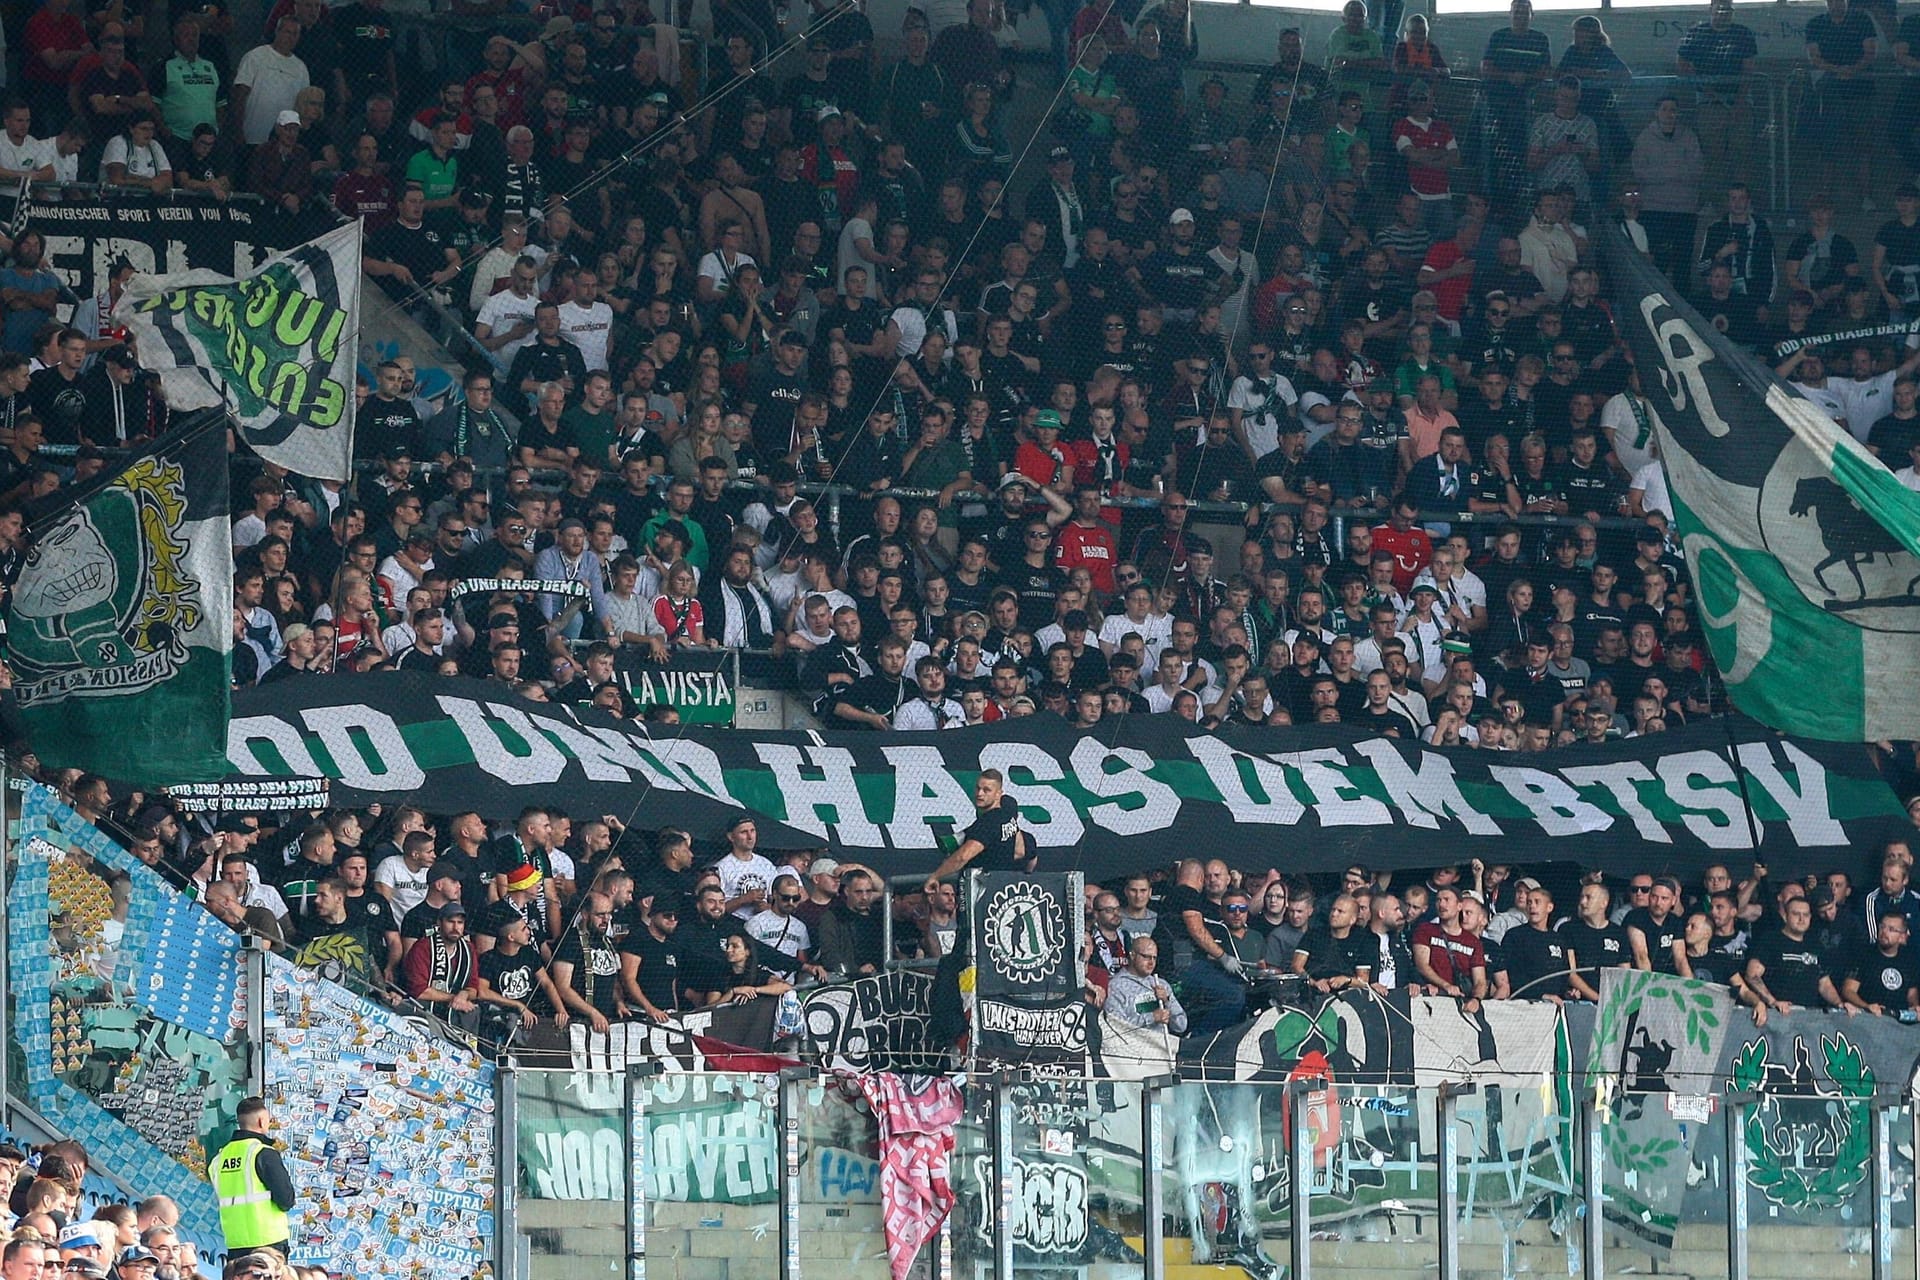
191 427
1740 777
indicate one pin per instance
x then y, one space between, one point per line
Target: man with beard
439 970
586 968
649 963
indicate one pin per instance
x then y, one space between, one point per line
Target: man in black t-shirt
1536 953
1654 929
649 966
586 968
1337 956
994 842
1885 978
696 944
513 986
1595 942
1786 970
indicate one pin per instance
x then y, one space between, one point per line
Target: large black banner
159 234
1131 794
1026 933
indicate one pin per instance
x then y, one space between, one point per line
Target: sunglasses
1237 911
789 897
1498 311
1638 888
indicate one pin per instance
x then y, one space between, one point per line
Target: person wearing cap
439 969
649 961
1058 203
251 1181
1174 275
746 876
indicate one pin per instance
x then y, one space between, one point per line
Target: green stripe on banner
441 745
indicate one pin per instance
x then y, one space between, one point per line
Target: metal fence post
1592 1194
253 978
1153 1195
1880 1186
634 1138
792 1108
1003 1173
1300 1181
506 1170
1736 1109
1447 1130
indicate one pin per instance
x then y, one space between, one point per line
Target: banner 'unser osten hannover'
1129 794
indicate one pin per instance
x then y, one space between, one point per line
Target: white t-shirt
1262 404
737 875
1833 405
504 311
1618 420
271 80
1867 402
142 162
1908 477
588 328
849 256
409 886
921 714
722 274
27 156
787 934
1651 480
1155 630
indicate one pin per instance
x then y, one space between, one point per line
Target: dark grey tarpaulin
1131 794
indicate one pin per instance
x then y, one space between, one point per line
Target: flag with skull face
121 629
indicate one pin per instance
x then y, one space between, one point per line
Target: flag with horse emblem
1804 548
278 349
122 621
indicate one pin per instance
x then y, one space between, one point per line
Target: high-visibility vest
248 1216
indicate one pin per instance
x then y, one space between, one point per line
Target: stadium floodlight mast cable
1259 230
679 121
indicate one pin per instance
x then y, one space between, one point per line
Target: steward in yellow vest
253 1186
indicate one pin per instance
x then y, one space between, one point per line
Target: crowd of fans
1298 408
500 928
52 1226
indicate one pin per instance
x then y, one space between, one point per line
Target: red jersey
510 88
1041 466
1434 135
1093 548
1412 551
1453 957
360 196
1449 295
64 34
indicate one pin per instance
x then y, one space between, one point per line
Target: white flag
278 348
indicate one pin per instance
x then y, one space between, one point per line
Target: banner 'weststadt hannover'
1131 794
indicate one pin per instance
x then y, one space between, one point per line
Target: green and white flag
277 349
122 623
1805 550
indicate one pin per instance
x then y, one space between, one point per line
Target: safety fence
790 1173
